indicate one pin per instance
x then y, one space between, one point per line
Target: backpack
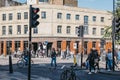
53 54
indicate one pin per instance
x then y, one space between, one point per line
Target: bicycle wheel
20 63
63 76
72 76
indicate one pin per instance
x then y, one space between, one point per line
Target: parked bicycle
23 62
68 74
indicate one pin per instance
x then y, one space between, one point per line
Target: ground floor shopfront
74 44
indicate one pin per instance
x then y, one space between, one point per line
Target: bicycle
23 62
68 74
117 64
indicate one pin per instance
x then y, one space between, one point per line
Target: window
10 16
94 31
25 29
10 30
25 15
59 44
19 16
17 45
25 44
68 30
86 29
68 16
4 17
86 20
59 15
9 44
93 44
94 18
77 17
43 15
43 0
59 29
102 19
3 30
102 31
35 30
19 29
76 30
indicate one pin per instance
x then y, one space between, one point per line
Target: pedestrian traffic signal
80 31
34 16
117 25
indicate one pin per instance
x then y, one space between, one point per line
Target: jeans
109 62
53 61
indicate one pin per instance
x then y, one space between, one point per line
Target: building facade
58 27
4 3
73 3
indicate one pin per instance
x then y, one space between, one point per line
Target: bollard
10 64
75 62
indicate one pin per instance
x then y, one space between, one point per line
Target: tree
108 29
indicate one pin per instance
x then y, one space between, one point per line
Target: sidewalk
103 71
5 75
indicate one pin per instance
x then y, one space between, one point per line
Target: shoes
92 71
89 73
108 70
95 71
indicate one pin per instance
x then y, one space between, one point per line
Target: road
41 70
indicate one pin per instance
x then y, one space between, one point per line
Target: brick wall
71 2
64 2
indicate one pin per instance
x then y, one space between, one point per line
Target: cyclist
25 56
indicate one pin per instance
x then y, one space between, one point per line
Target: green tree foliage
108 29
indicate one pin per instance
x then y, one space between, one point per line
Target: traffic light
117 25
117 28
34 16
80 31
117 37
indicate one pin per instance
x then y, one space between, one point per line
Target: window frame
59 29
43 15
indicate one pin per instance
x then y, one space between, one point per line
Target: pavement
6 75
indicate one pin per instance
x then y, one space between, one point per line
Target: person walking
90 59
118 55
96 59
53 58
109 60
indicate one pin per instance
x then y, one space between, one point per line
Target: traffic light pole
82 48
30 43
113 35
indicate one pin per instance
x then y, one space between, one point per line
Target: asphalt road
41 71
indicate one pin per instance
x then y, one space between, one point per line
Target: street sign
75 45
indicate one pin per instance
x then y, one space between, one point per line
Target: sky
93 4
97 4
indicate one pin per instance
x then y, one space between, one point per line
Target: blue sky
94 4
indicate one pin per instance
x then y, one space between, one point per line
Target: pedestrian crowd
92 61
